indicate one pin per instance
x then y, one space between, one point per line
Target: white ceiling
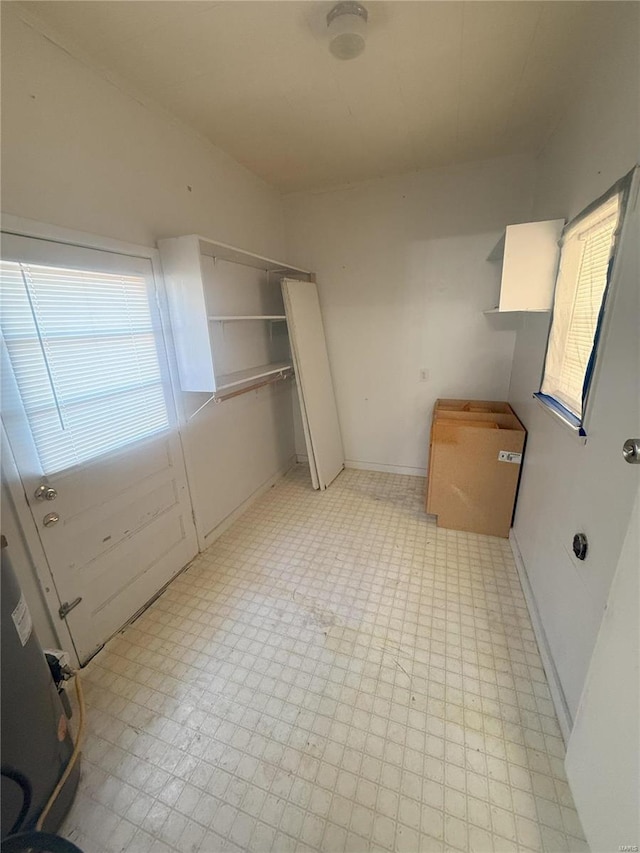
439 82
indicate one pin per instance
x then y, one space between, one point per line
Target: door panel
603 767
313 375
125 523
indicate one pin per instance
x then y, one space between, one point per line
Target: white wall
79 152
567 487
403 280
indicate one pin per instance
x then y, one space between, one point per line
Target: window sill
561 416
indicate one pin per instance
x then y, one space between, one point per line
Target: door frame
34 229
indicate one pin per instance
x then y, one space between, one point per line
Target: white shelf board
519 311
224 318
251 374
225 252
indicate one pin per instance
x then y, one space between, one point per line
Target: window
588 250
82 349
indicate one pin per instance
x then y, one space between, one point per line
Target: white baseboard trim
374 466
226 522
383 468
557 693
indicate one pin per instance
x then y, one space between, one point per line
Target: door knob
45 493
50 519
631 451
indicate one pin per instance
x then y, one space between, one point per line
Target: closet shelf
207 288
518 311
225 252
252 374
224 318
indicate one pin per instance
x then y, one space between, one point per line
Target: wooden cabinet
527 255
474 465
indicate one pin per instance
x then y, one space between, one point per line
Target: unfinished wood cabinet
474 465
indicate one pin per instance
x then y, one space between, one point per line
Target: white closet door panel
305 426
303 409
318 404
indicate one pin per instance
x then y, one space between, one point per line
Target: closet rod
253 387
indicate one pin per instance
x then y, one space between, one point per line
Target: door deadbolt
631 451
50 519
45 493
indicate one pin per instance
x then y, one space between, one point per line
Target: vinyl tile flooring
335 673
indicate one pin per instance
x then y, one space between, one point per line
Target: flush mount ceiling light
347 25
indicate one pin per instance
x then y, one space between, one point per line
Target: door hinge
67 607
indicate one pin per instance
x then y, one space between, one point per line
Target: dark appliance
36 743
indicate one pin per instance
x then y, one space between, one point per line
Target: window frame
627 188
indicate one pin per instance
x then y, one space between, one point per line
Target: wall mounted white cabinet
528 256
228 324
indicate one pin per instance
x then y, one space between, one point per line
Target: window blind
83 351
580 289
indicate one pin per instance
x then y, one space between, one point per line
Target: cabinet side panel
187 308
530 265
428 498
470 489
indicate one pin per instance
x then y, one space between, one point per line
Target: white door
313 377
603 763
88 413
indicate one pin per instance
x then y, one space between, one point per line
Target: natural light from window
587 248
82 348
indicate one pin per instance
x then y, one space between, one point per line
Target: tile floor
334 674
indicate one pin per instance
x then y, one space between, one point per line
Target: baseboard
374 466
382 467
226 522
557 693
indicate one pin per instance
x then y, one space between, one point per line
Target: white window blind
83 352
580 289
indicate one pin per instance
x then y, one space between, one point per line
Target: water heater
36 743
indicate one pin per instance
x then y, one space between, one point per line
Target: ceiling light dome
347 25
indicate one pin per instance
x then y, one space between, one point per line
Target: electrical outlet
424 374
